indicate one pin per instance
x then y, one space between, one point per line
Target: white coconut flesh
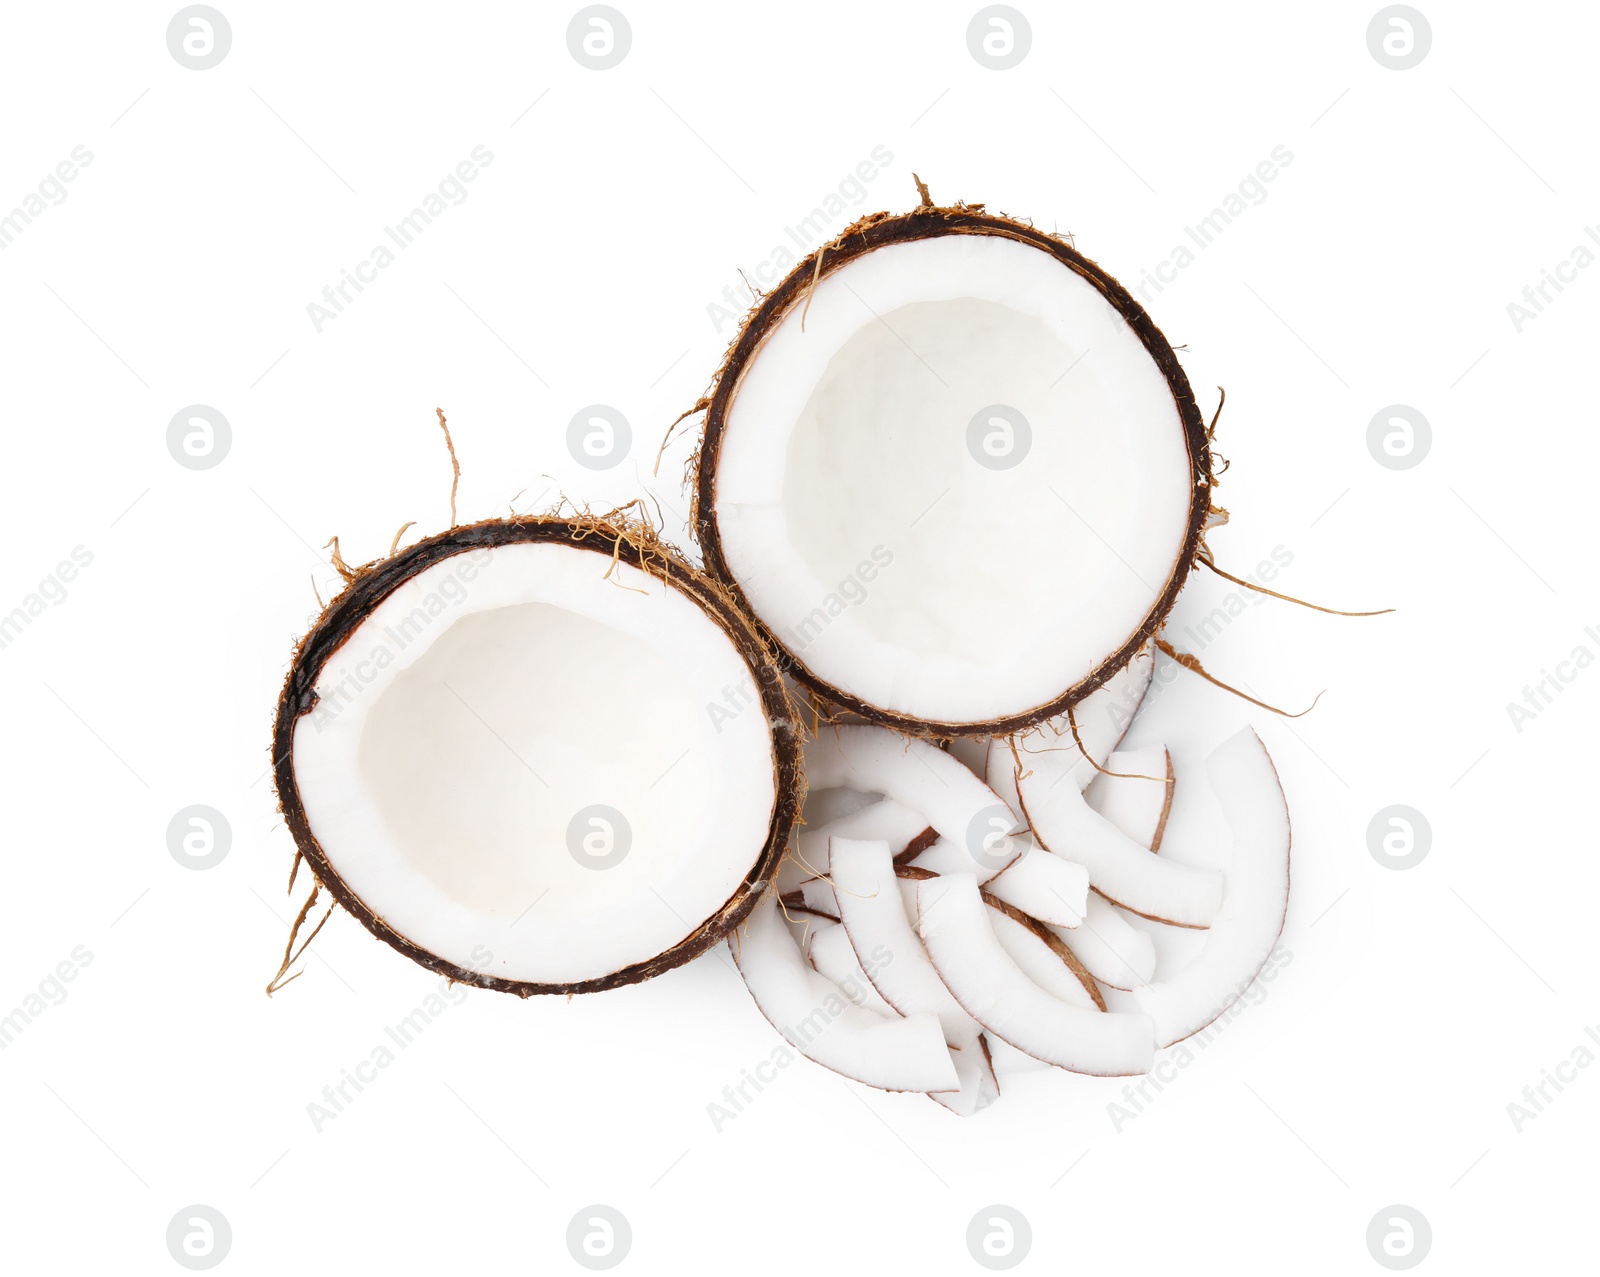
1112 950
833 956
956 931
1038 882
874 917
884 819
876 545
1242 936
1119 868
511 756
964 811
813 896
813 1016
1134 793
1039 962
1051 750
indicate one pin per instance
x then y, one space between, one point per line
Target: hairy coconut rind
879 231
631 543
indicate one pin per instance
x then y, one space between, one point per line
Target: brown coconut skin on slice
630 543
879 230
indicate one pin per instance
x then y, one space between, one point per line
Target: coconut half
900 421
494 749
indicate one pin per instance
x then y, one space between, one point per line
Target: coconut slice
1038 882
493 749
1156 887
931 387
1051 750
884 819
1135 793
955 929
823 806
965 812
814 1017
1043 957
1243 934
1112 950
813 896
1008 1061
831 954
979 1085
874 918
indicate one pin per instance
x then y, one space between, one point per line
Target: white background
618 205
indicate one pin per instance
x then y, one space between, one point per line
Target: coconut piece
1051 749
979 1085
831 954
917 846
966 813
1113 950
1043 957
1038 882
1008 1061
1135 793
823 806
1003 843
1155 887
924 389
874 917
883 819
493 750
1244 932
814 1017
955 929
813 896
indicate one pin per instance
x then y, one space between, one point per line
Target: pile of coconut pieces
968 911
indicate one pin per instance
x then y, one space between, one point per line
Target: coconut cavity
500 757
964 490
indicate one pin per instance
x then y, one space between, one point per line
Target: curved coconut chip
1040 883
874 917
1043 956
1244 932
955 929
814 1017
1135 793
832 956
1056 750
883 819
1155 887
923 778
1113 950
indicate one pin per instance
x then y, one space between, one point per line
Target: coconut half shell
451 705
855 396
